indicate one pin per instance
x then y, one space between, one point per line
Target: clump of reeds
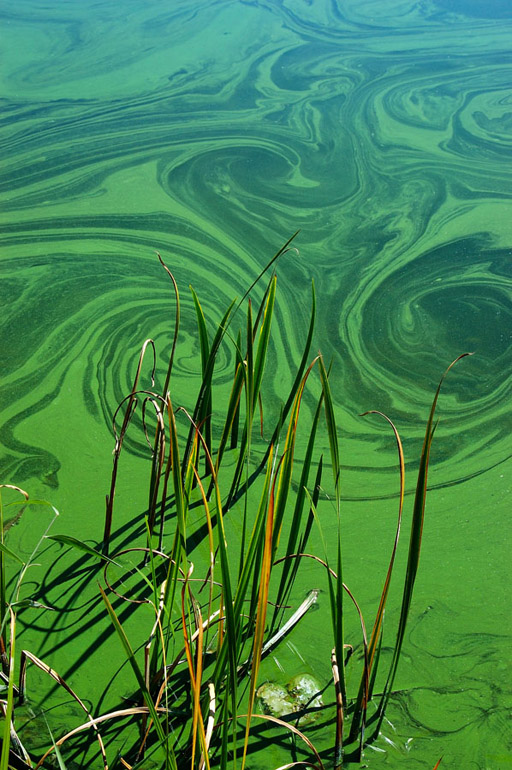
198 674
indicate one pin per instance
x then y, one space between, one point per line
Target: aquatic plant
227 505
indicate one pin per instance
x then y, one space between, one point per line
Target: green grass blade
331 428
234 422
79 545
9 707
179 494
261 613
249 370
200 409
205 417
7 551
414 549
130 656
335 591
269 264
58 755
262 349
290 567
176 326
250 404
203 333
302 365
368 677
285 476
296 383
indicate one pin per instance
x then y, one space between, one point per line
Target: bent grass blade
335 591
365 694
414 549
27 656
130 655
9 708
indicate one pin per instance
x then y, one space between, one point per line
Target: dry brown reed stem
120 714
169 670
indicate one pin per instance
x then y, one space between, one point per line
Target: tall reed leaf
130 655
290 566
365 692
261 614
205 389
285 476
205 416
176 326
9 707
131 404
335 590
413 558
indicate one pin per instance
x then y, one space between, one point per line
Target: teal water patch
211 131
499 9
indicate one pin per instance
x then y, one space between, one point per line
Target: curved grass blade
234 422
290 568
365 693
131 400
414 549
205 417
7 551
28 656
296 383
338 745
176 326
335 591
130 655
206 383
79 545
261 612
120 714
276 256
285 476
293 730
9 708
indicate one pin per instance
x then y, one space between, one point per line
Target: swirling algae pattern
210 132
213 129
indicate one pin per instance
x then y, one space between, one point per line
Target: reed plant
198 673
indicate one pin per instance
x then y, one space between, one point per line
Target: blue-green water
211 131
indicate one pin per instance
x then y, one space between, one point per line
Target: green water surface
212 130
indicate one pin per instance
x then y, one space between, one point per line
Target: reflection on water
212 130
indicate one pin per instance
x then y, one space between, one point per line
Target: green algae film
211 131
